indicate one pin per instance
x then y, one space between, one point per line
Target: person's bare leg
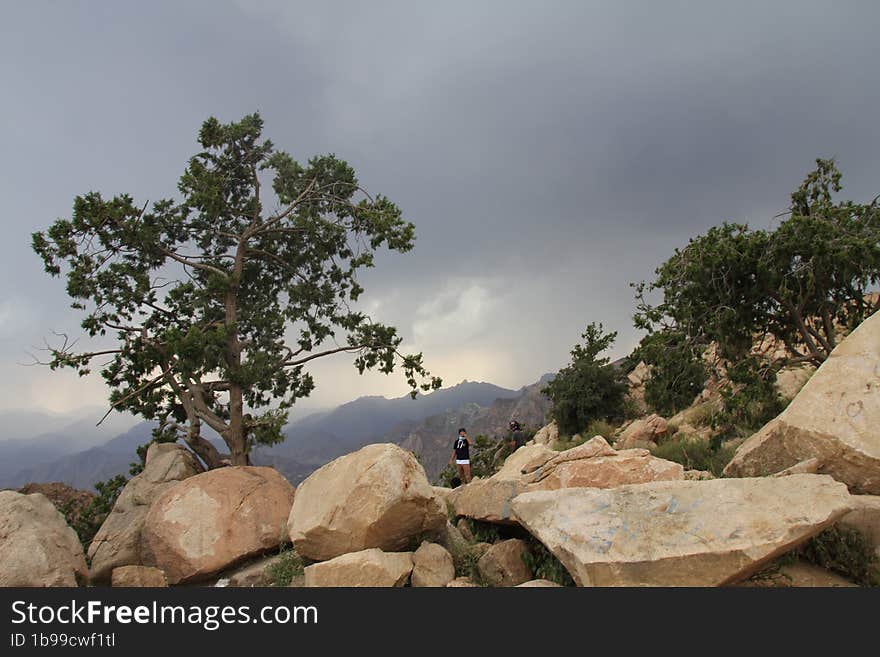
460 469
467 472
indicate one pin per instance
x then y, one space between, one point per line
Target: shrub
677 371
846 551
589 388
544 564
599 428
290 565
695 454
87 520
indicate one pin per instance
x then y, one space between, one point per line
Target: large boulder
525 459
487 499
644 431
377 497
503 564
372 568
216 519
138 576
833 418
547 435
630 466
432 566
118 541
37 547
680 533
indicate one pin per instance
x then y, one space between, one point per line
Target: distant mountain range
425 425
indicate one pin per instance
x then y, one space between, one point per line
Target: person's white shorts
463 461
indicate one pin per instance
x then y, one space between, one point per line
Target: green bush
846 551
290 565
88 520
589 388
696 454
677 371
544 564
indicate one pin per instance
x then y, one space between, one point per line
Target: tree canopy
217 301
801 282
589 388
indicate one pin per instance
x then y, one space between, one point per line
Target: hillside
431 439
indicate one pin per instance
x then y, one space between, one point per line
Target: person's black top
519 438
462 449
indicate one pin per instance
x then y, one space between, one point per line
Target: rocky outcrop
680 533
377 497
525 459
216 519
371 567
432 566
630 466
833 418
37 547
503 564
547 435
119 541
138 576
642 432
487 499
593 464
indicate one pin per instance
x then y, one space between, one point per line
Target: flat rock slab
369 568
680 533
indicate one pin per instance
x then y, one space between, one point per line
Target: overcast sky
549 153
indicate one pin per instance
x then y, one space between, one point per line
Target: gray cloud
549 153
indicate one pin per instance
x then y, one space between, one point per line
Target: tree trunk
205 450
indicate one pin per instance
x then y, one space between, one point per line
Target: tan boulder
680 533
487 499
432 566
525 459
376 497
640 375
595 446
371 567
118 541
833 418
216 519
646 430
791 380
538 583
547 435
138 576
37 547
464 529
451 538
442 494
631 466
461 583
503 563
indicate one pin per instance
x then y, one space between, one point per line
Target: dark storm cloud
549 153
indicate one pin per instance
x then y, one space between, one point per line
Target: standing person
517 436
461 454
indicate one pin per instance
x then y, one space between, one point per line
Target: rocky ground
604 512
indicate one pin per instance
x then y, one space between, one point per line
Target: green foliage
88 520
290 565
695 454
589 388
845 551
544 564
201 292
795 282
484 532
600 428
677 371
749 401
